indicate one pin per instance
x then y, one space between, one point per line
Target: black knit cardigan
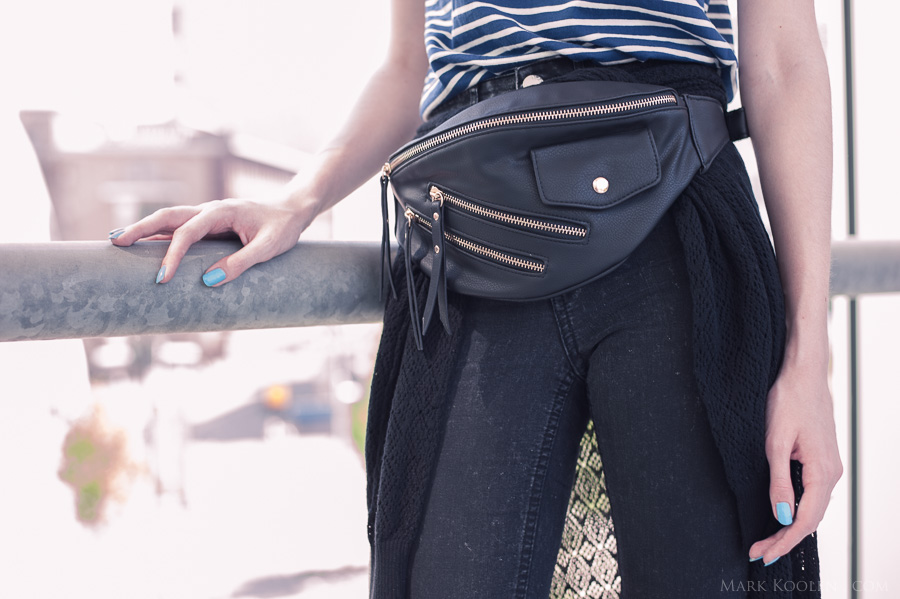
738 341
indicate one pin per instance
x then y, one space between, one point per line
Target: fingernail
783 510
213 277
753 559
161 274
116 230
773 561
116 234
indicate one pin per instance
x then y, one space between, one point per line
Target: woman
702 421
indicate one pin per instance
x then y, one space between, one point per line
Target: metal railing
93 289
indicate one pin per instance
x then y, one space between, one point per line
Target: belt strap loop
736 121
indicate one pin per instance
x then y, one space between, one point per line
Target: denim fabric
617 350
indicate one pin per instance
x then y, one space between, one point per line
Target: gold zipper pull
386 170
436 195
410 215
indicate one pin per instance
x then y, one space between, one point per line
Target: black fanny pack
532 193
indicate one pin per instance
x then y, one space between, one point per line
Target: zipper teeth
481 250
512 219
532 117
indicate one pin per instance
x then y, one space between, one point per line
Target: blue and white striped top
468 41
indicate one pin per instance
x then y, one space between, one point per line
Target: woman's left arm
786 95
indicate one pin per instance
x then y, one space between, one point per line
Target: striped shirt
468 41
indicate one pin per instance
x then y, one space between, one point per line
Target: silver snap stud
532 80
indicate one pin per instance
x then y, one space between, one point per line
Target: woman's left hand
799 426
789 112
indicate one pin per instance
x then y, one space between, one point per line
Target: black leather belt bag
532 193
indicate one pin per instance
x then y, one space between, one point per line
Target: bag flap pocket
598 172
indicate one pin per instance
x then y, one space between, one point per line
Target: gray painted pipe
93 289
860 267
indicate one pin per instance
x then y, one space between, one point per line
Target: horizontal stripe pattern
468 41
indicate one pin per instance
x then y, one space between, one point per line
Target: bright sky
100 58
265 67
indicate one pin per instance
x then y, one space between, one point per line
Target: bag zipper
525 222
477 248
535 116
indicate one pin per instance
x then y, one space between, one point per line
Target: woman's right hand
370 135
266 229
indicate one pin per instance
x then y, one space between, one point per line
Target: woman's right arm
385 116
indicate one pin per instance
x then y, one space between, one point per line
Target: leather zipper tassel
437 288
411 283
386 234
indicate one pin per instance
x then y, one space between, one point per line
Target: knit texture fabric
739 336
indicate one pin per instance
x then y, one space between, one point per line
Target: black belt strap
736 121
535 73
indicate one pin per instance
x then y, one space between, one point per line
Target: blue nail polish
116 230
161 274
783 510
773 561
213 277
753 559
115 234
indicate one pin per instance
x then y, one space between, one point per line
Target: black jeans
617 350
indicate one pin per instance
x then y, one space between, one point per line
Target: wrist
298 198
806 342
302 202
